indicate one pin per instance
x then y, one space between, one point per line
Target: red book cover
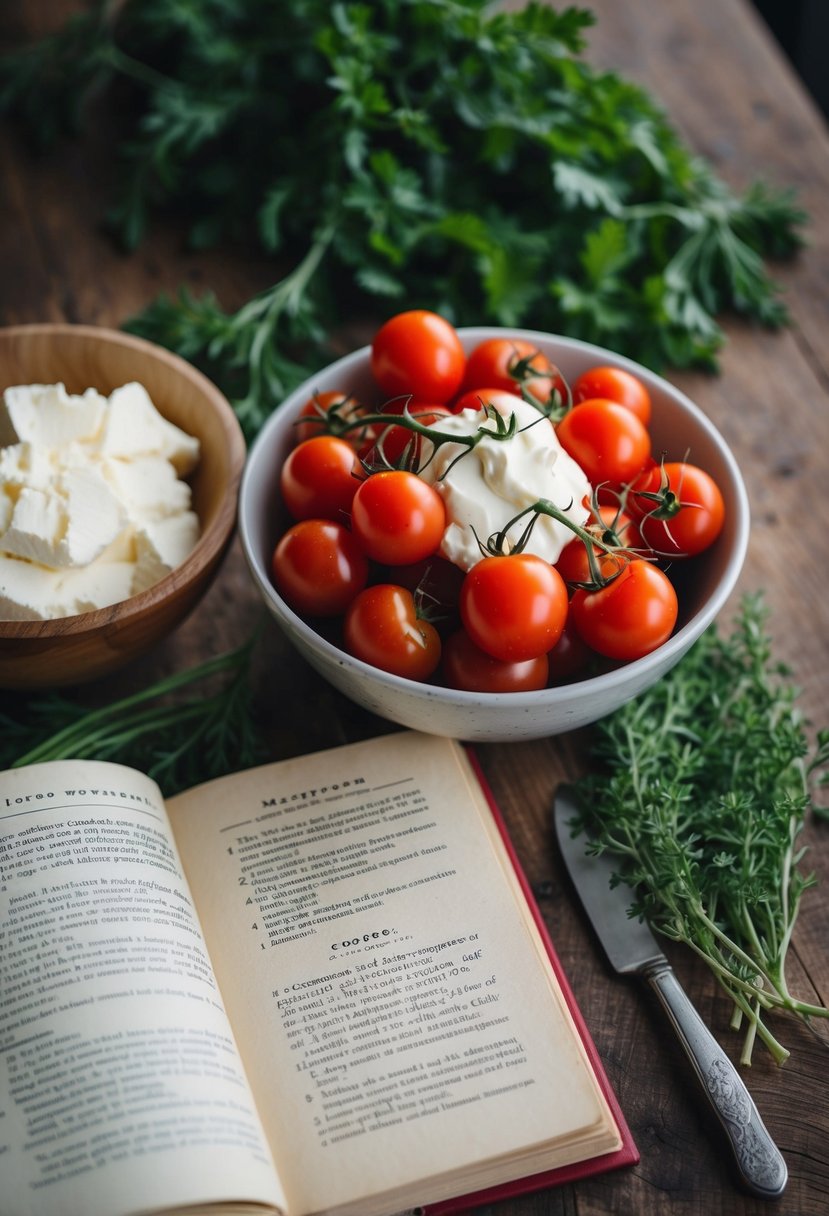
627 1154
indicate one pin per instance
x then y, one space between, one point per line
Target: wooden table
731 94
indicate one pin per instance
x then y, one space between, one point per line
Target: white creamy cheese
47 416
70 523
487 486
132 427
92 505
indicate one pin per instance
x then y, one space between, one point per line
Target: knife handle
761 1166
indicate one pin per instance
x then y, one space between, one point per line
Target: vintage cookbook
317 986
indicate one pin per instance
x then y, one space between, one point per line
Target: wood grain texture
731 94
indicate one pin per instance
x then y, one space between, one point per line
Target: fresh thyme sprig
702 788
178 742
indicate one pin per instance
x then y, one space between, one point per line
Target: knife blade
632 949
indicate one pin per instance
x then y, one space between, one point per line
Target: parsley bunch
424 153
703 789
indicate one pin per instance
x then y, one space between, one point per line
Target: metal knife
632 949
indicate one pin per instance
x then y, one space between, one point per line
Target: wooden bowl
73 649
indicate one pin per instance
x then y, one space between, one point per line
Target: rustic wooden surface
732 95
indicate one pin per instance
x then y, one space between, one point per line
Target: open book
316 986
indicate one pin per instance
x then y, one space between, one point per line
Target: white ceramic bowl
677 426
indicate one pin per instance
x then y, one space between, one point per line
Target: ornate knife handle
761 1166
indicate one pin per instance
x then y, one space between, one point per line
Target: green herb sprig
178 741
703 788
424 153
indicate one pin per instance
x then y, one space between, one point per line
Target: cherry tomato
614 384
614 527
313 418
514 607
320 478
436 580
382 628
510 363
467 667
420 353
629 617
606 439
318 567
693 496
398 518
569 656
393 440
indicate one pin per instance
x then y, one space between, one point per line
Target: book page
121 1089
395 1010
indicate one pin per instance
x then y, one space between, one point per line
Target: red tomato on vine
680 507
318 567
514 606
629 617
607 440
398 518
512 364
392 441
320 478
468 668
420 353
614 384
314 418
615 528
382 627
570 655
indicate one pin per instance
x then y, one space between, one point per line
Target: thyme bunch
703 786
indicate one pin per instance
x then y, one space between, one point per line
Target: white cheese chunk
35 527
97 585
69 525
31 592
95 516
28 591
92 505
147 486
48 416
25 464
133 427
161 546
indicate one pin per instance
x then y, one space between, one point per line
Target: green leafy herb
705 783
177 742
405 153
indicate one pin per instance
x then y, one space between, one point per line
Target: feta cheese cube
161 546
28 591
97 586
48 416
36 526
134 427
92 507
94 516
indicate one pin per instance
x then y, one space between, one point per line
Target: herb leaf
702 788
429 151
176 741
